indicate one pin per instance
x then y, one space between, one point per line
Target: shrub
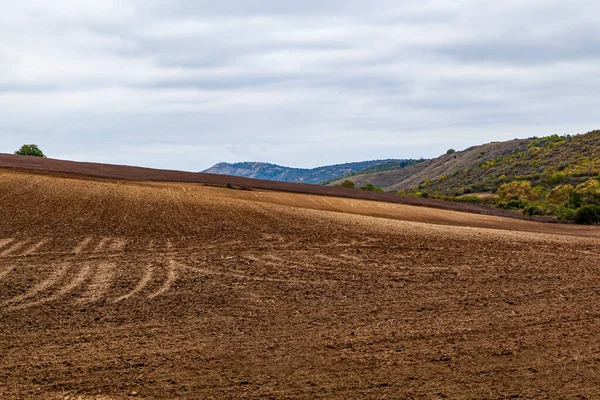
541 142
518 190
451 151
532 210
372 188
575 200
559 194
557 177
348 184
512 204
590 191
587 215
30 150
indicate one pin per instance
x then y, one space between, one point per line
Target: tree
348 184
30 150
451 151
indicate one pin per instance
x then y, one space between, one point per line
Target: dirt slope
175 290
45 165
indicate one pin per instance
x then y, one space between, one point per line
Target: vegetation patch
30 150
557 176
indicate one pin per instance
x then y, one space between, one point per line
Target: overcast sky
185 84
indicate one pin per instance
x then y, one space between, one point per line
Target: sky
184 84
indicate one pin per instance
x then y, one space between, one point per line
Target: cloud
299 83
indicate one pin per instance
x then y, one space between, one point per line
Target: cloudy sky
183 84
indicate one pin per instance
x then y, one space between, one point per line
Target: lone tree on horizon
30 150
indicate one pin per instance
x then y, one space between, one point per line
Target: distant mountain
273 172
385 166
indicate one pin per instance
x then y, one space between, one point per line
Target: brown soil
169 290
70 168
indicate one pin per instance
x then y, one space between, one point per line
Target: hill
273 172
113 289
546 169
386 166
445 165
122 172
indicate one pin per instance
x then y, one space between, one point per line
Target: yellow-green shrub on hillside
560 194
519 190
590 191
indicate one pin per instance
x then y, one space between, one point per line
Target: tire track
82 245
100 284
278 262
77 281
5 272
143 282
334 260
207 271
171 278
349 257
117 245
100 245
14 248
53 279
5 242
33 249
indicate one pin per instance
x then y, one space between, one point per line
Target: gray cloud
185 84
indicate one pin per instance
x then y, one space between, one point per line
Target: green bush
512 204
372 188
532 210
30 150
557 177
587 215
541 142
575 200
348 184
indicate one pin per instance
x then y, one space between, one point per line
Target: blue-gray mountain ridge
267 171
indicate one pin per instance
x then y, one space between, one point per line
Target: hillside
445 165
553 175
273 172
544 161
122 172
113 289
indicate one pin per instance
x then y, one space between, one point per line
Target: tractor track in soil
179 290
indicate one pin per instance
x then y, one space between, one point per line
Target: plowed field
111 289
